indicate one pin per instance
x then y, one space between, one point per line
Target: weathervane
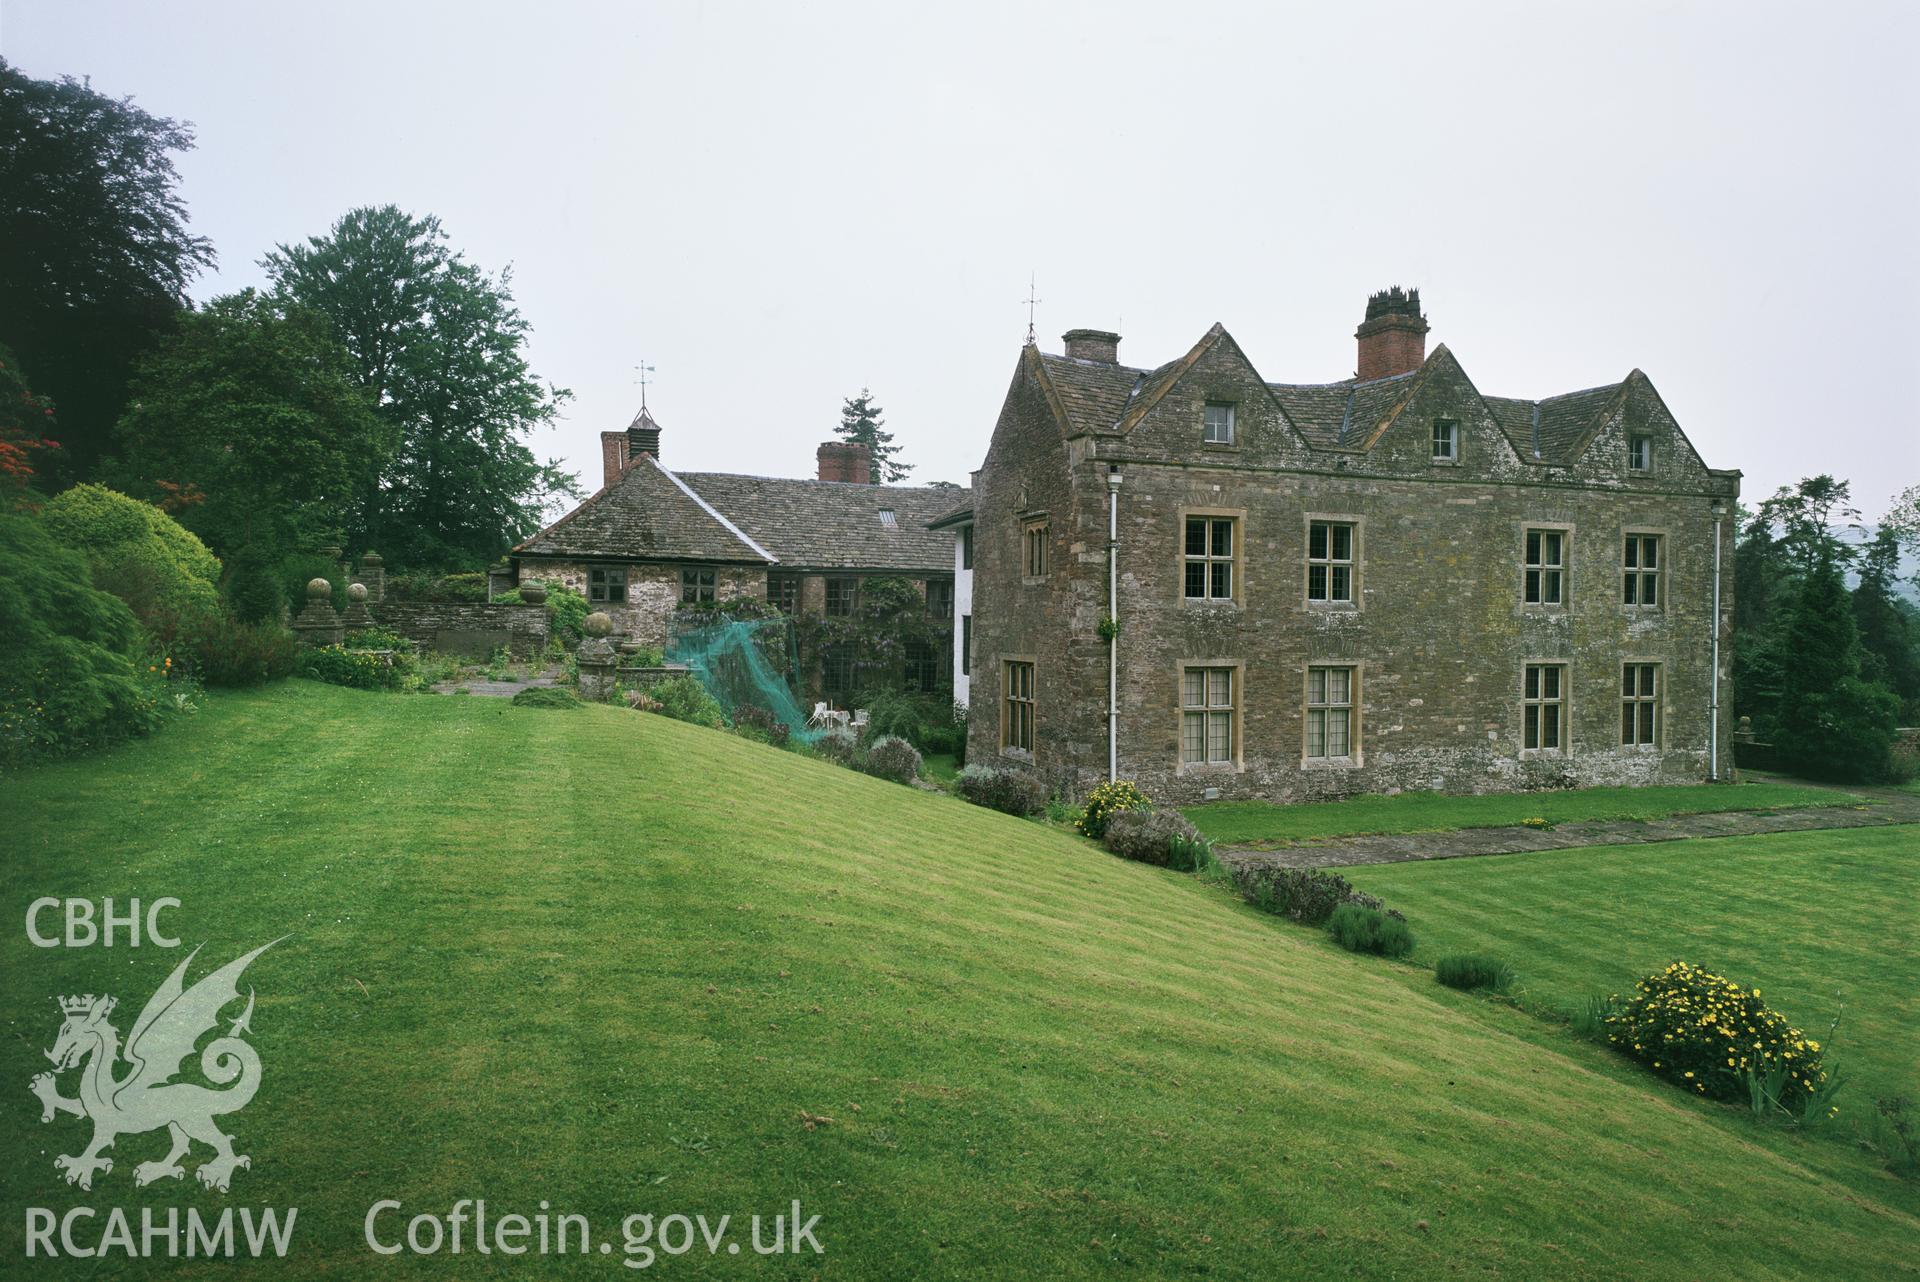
645 369
1032 302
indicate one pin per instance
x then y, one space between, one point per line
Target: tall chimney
1092 345
1393 337
844 461
643 436
613 456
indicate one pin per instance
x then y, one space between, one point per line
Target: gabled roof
646 514
1097 397
836 525
1556 429
1341 415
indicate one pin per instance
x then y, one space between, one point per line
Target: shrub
166 576
566 611
69 677
1106 801
377 639
1360 929
891 757
1011 792
1307 895
1469 970
840 746
756 722
1163 838
1894 1132
358 669
1709 1035
226 652
547 697
685 699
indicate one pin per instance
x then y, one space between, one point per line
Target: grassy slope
1260 821
607 959
1820 922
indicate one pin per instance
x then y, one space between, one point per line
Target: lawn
1263 823
1821 922
620 964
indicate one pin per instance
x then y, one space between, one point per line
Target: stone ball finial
598 624
318 589
357 593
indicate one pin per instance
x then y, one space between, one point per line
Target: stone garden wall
467 628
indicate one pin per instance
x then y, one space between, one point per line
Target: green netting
743 661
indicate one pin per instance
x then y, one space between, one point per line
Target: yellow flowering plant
1106 801
1715 1038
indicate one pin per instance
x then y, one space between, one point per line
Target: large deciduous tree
440 348
861 424
95 255
250 425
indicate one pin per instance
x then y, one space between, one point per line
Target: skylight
887 520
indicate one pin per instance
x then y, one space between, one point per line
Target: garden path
1883 806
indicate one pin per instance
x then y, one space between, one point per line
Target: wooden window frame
1234 708
1035 550
1011 705
784 590
1532 596
1636 577
1328 562
1534 699
606 586
850 592
966 546
1642 705
704 593
1452 428
1206 428
1637 442
966 645
1233 562
1355 755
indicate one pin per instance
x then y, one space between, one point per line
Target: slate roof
642 516
653 514
835 525
1097 396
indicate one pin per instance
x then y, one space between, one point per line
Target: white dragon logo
147 1098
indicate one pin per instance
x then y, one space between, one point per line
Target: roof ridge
712 511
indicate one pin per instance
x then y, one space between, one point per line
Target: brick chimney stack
1393 338
1092 345
613 456
845 461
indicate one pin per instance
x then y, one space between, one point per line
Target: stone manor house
651 540
1394 581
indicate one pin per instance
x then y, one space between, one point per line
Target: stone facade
652 591
1437 635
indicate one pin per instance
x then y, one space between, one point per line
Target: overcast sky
776 205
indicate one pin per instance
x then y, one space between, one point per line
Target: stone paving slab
1886 806
482 688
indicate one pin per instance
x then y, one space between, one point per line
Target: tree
249 423
26 427
440 349
1889 643
1830 724
861 424
95 255
1805 515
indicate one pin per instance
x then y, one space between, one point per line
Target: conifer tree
861 424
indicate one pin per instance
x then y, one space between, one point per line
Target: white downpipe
1113 613
1713 699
